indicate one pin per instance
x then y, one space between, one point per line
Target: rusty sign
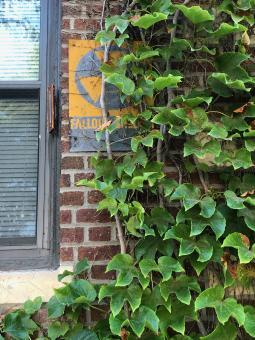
85 81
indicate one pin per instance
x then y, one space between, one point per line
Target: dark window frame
44 253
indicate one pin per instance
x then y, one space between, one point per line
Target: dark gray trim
44 255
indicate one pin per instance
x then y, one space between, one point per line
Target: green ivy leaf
226 332
209 297
118 322
169 81
105 37
195 14
218 131
176 319
249 323
32 306
152 298
81 267
57 329
143 318
248 215
193 147
189 193
237 241
123 264
208 206
148 20
181 287
118 295
123 83
202 247
81 334
233 201
226 29
19 325
117 21
55 308
109 204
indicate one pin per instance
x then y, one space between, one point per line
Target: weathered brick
65 24
65 217
80 176
65 180
98 273
95 196
65 113
72 163
66 254
71 235
72 198
92 216
64 146
71 11
94 11
98 253
66 36
100 234
65 131
87 24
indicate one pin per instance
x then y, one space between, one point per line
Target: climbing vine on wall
186 236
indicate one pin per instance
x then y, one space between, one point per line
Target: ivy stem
105 117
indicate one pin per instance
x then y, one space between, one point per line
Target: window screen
19 122
19 39
20 22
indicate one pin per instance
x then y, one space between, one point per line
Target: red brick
95 196
71 235
65 180
92 215
98 253
95 10
98 273
64 52
100 234
87 24
71 11
72 163
64 85
72 198
65 23
65 217
65 146
65 131
65 113
66 36
66 254
78 177
64 69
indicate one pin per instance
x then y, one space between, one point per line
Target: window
28 65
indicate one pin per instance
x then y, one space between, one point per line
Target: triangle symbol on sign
93 87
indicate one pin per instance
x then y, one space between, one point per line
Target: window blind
19 39
19 124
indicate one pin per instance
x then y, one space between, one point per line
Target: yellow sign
85 82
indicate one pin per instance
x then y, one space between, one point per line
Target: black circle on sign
88 67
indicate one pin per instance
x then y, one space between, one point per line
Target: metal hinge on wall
51 108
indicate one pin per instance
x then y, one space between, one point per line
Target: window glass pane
19 39
19 124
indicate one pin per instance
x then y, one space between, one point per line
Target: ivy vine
186 235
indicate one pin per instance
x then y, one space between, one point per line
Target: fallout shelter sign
85 58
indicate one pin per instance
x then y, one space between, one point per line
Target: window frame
43 254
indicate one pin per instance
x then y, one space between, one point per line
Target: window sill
18 286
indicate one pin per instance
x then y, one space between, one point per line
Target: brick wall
84 232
